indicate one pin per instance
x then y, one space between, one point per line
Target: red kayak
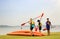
26 33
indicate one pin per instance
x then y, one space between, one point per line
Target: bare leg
48 31
32 32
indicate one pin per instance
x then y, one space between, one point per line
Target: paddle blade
44 29
22 24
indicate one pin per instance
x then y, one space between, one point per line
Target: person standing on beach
48 24
32 25
39 25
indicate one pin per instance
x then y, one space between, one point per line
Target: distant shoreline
25 25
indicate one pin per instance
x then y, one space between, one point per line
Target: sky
15 12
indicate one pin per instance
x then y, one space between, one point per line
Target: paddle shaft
33 19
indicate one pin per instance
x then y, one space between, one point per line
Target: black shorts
31 28
40 27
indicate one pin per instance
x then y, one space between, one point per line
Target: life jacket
33 22
40 24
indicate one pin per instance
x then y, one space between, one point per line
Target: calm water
6 29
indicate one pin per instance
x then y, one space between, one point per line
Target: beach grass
54 35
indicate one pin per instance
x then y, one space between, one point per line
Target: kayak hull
26 33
